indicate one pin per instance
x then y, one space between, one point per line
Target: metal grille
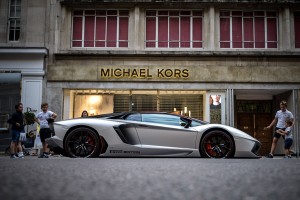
163 103
192 102
121 103
144 102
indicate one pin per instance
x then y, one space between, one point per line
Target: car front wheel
217 144
82 142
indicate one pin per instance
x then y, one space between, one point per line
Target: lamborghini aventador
150 134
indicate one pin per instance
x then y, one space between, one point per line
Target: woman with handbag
17 121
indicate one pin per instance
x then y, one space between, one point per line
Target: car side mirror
183 124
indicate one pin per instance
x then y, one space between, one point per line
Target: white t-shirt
282 117
289 134
42 117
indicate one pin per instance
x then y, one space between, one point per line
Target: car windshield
196 123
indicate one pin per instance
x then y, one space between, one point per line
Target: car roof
122 115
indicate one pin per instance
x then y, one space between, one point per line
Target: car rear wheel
82 142
217 144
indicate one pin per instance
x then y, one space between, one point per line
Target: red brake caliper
208 148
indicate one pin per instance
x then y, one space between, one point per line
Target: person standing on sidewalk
42 119
17 121
281 117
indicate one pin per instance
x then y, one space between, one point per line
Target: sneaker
289 156
43 156
20 155
269 156
13 156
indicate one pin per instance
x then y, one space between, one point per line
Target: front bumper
246 148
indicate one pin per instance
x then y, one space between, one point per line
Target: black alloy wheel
82 142
217 144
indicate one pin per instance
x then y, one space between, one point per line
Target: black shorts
288 143
277 135
45 133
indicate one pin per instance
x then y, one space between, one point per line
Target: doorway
252 117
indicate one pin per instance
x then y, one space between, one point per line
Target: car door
165 131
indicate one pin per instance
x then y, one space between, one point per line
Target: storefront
217 94
21 80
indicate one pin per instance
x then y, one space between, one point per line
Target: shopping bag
37 142
22 137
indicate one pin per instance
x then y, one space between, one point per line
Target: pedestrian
42 119
17 121
288 141
281 116
84 114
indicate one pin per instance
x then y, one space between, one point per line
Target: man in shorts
42 119
281 117
18 122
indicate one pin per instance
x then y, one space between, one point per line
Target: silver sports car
134 134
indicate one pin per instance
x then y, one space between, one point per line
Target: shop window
100 28
297 29
144 102
173 29
248 29
188 103
94 104
14 20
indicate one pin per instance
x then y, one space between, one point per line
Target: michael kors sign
142 73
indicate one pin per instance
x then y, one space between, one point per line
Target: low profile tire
83 143
217 144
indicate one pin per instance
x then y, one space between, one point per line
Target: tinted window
162 119
195 123
134 117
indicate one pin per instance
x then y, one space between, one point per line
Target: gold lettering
168 73
126 73
177 73
134 73
148 74
160 73
104 73
185 73
118 73
142 73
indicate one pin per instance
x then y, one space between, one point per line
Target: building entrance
252 117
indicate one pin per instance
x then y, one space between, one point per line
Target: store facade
154 84
22 72
203 74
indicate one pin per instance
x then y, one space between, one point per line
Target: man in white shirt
43 119
281 117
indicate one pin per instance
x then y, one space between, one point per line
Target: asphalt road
149 178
